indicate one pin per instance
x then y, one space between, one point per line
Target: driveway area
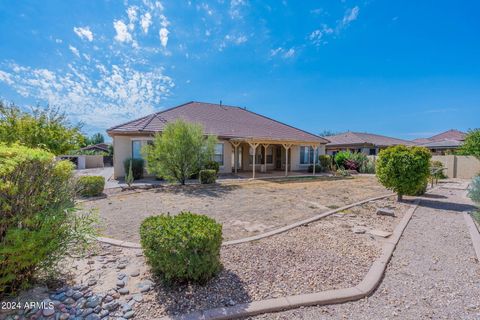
434 273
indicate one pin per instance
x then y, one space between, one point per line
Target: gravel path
433 274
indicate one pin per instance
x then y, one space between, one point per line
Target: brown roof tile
359 138
223 121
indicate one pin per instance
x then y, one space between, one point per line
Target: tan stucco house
247 141
443 143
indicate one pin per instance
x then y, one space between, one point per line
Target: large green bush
90 186
212 165
325 162
38 222
185 247
405 170
207 176
137 167
341 157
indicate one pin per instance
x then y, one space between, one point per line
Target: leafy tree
179 151
405 170
94 139
42 128
471 145
327 133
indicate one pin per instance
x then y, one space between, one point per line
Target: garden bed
245 208
327 254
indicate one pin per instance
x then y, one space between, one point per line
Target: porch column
286 146
314 147
235 154
254 146
265 160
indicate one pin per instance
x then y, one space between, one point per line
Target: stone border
474 233
369 283
134 245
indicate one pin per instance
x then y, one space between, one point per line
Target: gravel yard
245 208
434 273
326 254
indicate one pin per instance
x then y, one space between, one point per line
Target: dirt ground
245 208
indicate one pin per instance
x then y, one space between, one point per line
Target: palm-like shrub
38 222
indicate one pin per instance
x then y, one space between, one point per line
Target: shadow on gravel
434 196
224 290
445 205
212 190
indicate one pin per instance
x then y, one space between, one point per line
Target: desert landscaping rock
124 291
380 233
386 212
359 230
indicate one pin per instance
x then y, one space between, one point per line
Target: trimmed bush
38 223
404 170
182 248
90 186
207 176
137 167
212 165
318 168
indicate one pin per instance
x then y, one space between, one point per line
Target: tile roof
358 138
451 134
446 143
451 138
223 121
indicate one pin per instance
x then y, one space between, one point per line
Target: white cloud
283 53
74 50
58 40
121 93
317 36
122 32
289 53
146 21
236 7
84 33
350 15
163 33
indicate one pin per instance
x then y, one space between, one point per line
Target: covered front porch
265 157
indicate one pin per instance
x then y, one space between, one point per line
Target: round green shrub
325 162
137 167
38 223
405 170
207 176
182 248
90 186
341 157
212 165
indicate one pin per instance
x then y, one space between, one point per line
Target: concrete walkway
434 273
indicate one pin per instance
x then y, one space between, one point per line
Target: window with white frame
306 155
137 149
218 154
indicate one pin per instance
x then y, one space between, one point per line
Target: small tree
95 139
179 151
471 146
405 170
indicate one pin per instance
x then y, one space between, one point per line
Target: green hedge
207 176
325 162
90 186
137 167
38 222
185 247
212 165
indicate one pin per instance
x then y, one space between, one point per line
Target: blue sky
401 68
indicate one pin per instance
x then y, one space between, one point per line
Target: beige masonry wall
93 161
463 167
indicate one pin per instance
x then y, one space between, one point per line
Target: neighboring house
99 147
247 141
443 143
367 143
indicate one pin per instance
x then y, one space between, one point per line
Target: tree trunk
399 197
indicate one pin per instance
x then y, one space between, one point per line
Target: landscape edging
134 245
474 233
369 283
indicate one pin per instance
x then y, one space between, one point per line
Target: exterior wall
93 161
122 149
227 157
463 167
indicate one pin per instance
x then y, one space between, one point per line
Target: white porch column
235 155
286 146
265 160
254 146
315 157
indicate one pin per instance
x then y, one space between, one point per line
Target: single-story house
247 141
99 147
367 143
443 143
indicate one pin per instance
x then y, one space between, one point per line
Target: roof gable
223 121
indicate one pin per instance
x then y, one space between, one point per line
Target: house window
258 156
373 151
137 149
218 154
306 155
269 155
